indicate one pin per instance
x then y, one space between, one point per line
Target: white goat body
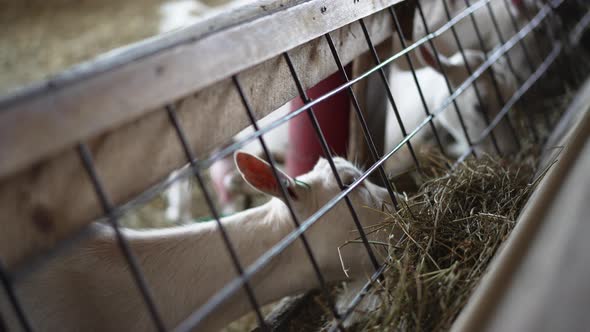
231 190
91 288
435 91
504 12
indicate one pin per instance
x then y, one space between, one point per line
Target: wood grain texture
48 194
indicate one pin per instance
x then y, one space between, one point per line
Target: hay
39 39
451 230
454 223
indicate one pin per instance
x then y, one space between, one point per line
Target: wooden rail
532 281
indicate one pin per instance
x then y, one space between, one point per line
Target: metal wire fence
543 25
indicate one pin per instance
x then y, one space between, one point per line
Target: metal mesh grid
561 43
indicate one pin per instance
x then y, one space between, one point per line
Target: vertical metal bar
86 158
484 112
564 40
447 82
398 28
502 41
538 43
541 51
12 298
3 326
524 48
501 100
362 293
550 35
285 194
330 160
361 119
329 156
374 155
517 95
552 70
529 116
225 237
388 91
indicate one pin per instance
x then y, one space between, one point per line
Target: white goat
229 186
435 91
504 13
231 190
91 289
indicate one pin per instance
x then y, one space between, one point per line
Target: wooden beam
44 200
86 102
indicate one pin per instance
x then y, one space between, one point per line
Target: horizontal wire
578 30
515 97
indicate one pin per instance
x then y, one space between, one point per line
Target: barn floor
41 38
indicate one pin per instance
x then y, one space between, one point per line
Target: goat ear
258 173
427 58
456 71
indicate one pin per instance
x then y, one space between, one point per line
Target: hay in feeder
452 228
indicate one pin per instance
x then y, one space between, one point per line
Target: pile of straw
452 228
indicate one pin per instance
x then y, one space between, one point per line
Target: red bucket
333 117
